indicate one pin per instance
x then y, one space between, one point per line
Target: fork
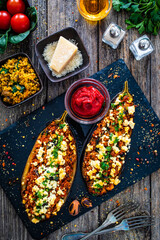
114 216
126 225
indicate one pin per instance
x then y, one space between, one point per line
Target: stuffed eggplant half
105 153
49 172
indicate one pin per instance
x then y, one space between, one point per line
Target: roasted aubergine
105 153
49 172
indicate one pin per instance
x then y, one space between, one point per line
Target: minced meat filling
105 153
50 175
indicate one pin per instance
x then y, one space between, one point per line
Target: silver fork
126 225
114 216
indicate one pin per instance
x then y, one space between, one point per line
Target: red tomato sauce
87 101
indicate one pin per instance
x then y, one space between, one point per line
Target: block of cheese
63 54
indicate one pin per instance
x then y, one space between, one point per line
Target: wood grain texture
53 16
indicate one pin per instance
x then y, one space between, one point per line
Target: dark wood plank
11 226
106 56
155 102
67 15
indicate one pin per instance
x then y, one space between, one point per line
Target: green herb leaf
144 15
110 136
117 128
109 148
4 70
3 41
104 165
98 186
116 140
61 126
112 105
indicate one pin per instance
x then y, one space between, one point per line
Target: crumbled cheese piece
70 137
63 145
126 139
60 192
115 149
62 173
35 188
113 165
101 147
91 172
61 161
131 124
40 153
95 163
65 127
40 180
34 220
35 164
51 199
124 148
59 204
112 172
125 123
126 129
89 148
116 181
131 109
117 101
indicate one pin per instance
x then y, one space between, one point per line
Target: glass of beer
94 10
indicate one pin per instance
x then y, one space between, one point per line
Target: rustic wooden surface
53 16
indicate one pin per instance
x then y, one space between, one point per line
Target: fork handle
80 235
96 230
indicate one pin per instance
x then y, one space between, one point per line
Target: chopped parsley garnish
116 140
55 152
107 156
113 123
110 136
61 126
104 165
44 183
57 147
98 186
120 116
112 105
109 148
38 194
117 128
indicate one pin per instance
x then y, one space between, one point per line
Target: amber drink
94 10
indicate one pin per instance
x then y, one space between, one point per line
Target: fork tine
141 226
124 207
139 223
120 214
138 217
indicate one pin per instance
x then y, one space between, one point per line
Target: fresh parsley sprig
145 14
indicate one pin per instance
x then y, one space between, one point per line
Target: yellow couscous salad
18 80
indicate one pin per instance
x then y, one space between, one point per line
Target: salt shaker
141 47
113 35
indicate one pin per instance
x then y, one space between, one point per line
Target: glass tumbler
94 10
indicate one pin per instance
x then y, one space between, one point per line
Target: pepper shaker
141 47
113 35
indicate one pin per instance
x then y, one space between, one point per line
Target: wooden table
53 16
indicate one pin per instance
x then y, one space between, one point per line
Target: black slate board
17 141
